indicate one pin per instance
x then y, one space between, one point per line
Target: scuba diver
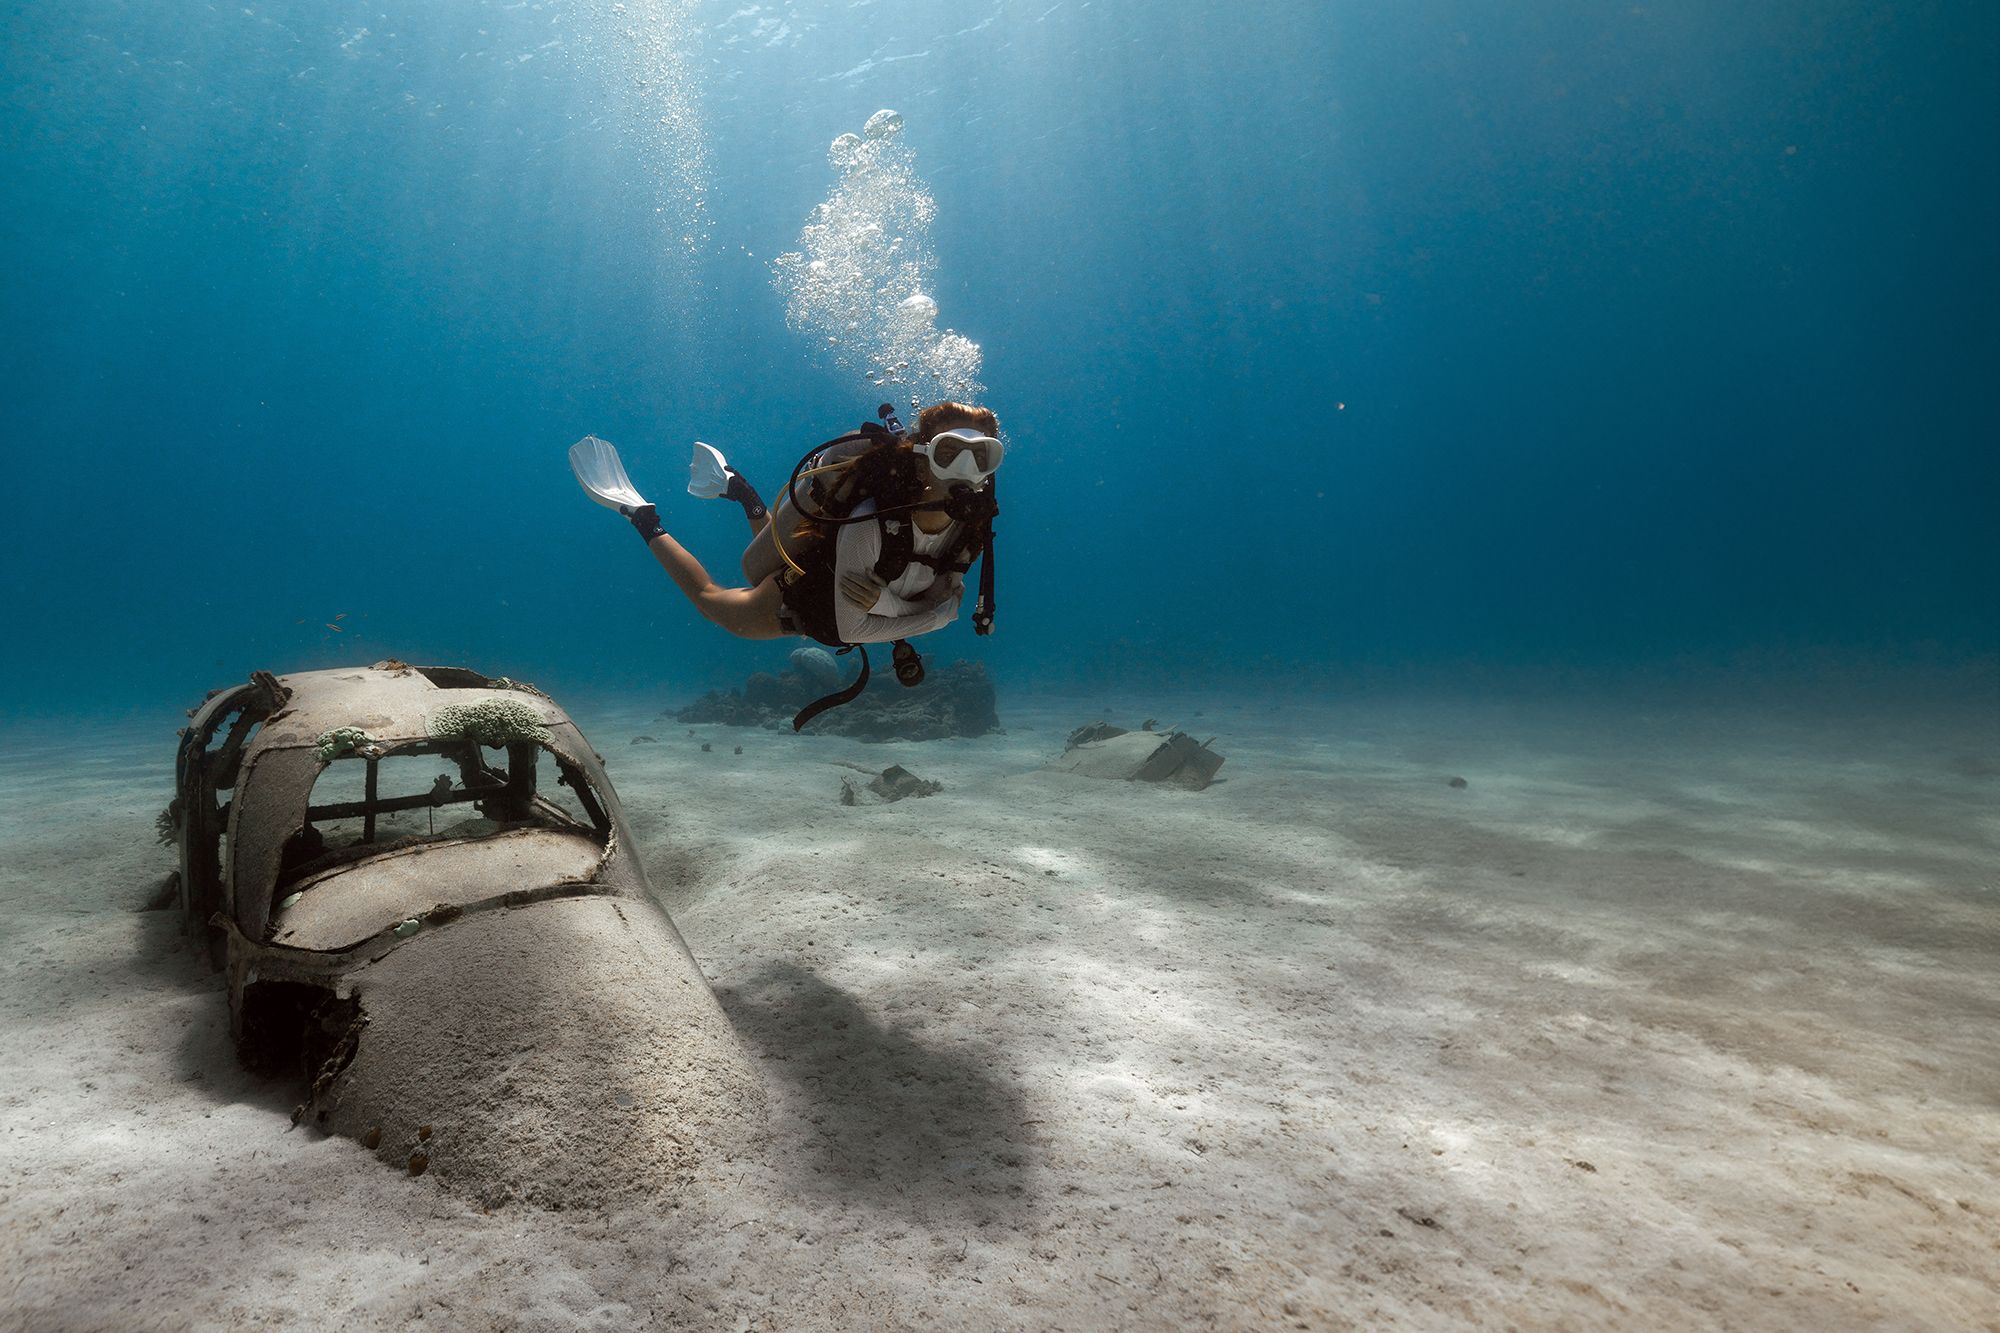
870 542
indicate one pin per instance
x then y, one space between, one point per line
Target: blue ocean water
1329 339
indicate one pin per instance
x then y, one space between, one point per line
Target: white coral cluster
490 722
344 741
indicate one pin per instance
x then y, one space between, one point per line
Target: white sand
1670 1021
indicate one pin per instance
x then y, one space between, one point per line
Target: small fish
343 614
335 628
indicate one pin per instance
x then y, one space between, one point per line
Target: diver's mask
962 455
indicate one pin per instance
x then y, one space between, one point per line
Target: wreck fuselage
421 886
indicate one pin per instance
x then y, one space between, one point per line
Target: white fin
708 472
598 471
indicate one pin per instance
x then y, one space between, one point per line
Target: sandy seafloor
1672 1017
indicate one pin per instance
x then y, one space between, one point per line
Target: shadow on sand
878 1114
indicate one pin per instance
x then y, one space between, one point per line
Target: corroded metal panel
270 806
340 908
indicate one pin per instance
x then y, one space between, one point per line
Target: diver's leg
741 491
750 613
760 557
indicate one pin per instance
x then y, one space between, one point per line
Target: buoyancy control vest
809 576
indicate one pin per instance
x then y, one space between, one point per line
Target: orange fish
335 628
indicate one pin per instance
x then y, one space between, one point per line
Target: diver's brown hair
950 416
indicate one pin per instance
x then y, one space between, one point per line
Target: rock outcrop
955 699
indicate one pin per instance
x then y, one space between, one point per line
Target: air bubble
862 274
651 70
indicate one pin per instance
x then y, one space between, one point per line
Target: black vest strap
839 697
899 544
809 599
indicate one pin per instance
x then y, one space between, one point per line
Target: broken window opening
565 787
363 806
298 1032
224 758
208 765
455 678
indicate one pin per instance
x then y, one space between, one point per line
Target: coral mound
490 722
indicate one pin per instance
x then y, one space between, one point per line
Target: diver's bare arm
750 613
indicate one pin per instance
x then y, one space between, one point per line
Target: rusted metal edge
609 836
285 963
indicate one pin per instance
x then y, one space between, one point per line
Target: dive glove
645 521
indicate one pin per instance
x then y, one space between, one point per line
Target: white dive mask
963 455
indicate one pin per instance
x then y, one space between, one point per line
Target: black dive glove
746 495
645 519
